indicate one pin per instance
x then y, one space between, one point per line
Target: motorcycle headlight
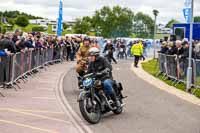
87 82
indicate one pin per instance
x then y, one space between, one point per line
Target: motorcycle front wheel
91 112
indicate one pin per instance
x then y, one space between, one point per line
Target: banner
187 3
187 14
60 19
187 10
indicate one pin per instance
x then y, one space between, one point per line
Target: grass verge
152 67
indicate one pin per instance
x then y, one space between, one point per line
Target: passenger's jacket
137 49
83 53
99 66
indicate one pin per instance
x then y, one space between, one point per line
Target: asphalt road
147 110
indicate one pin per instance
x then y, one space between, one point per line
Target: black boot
116 100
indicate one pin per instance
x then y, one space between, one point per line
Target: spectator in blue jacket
3 53
29 41
164 48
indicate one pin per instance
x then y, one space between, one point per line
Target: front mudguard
85 94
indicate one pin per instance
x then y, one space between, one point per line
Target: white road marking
68 109
44 98
26 126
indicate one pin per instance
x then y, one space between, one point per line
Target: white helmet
109 41
94 51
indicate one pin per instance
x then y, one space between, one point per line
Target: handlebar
88 75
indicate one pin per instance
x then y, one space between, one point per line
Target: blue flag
187 10
187 3
187 14
60 19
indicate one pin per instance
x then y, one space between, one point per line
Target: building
70 24
43 21
53 23
182 30
161 29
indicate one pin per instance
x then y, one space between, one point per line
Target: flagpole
189 70
60 18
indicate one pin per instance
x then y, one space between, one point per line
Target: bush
38 29
22 21
2 29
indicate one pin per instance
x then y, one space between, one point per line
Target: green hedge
3 29
38 29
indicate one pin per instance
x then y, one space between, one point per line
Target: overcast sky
77 8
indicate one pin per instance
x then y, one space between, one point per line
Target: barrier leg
14 88
10 86
17 85
178 82
1 94
22 78
164 76
194 91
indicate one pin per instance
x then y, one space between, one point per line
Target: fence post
13 69
194 72
30 60
165 65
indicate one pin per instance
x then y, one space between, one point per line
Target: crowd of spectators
181 49
11 43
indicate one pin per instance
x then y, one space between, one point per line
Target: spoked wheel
91 112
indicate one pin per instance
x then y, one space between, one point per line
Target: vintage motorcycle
93 101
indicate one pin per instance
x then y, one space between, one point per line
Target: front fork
84 94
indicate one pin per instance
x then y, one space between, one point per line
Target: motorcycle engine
98 84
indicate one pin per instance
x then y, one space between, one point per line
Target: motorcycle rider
122 49
103 71
109 50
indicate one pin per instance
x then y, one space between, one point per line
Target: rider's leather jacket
101 67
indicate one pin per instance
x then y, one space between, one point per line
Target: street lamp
155 12
189 70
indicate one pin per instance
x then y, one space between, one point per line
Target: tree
82 26
11 21
65 26
143 25
15 14
197 19
113 22
171 22
22 21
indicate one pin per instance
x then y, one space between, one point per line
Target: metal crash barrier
162 63
171 67
176 69
19 65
